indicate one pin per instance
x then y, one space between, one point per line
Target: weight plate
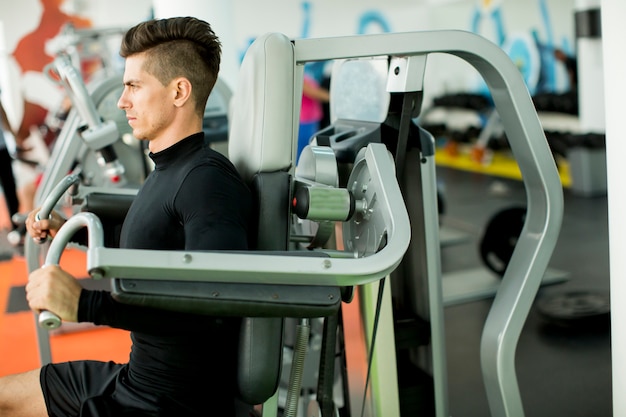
500 237
575 307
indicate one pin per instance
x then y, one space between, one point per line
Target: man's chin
139 135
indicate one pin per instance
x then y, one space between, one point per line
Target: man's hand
40 229
51 288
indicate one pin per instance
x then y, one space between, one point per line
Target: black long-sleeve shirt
193 200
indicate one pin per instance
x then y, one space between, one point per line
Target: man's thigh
21 396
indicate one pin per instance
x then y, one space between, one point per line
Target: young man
193 200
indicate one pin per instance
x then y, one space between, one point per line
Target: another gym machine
376 227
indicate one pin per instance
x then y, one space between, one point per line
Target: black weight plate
575 307
500 237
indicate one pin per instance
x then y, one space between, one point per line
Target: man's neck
174 135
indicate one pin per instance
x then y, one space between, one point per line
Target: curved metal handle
74 85
54 197
95 235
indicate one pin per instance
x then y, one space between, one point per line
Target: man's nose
122 103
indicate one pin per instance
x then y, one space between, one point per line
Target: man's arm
215 205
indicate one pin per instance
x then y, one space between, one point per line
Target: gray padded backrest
261 132
263 109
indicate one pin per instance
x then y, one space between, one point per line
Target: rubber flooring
19 348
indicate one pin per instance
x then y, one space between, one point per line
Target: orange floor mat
19 349
18 340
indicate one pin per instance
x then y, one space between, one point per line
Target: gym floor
562 371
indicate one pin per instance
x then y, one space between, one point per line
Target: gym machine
376 228
89 45
420 267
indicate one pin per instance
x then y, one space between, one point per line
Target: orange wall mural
30 54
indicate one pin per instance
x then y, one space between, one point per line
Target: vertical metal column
420 270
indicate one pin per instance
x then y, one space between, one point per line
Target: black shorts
89 389
101 389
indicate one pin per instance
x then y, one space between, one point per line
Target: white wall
613 34
447 74
220 14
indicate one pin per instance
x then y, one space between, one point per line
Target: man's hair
177 47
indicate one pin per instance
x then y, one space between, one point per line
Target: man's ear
182 91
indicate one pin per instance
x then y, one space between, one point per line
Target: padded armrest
108 205
111 209
221 299
232 299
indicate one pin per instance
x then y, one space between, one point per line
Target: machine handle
48 320
61 71
95 235
53 198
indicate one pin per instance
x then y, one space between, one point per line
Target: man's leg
21 396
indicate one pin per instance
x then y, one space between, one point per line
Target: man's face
148 103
